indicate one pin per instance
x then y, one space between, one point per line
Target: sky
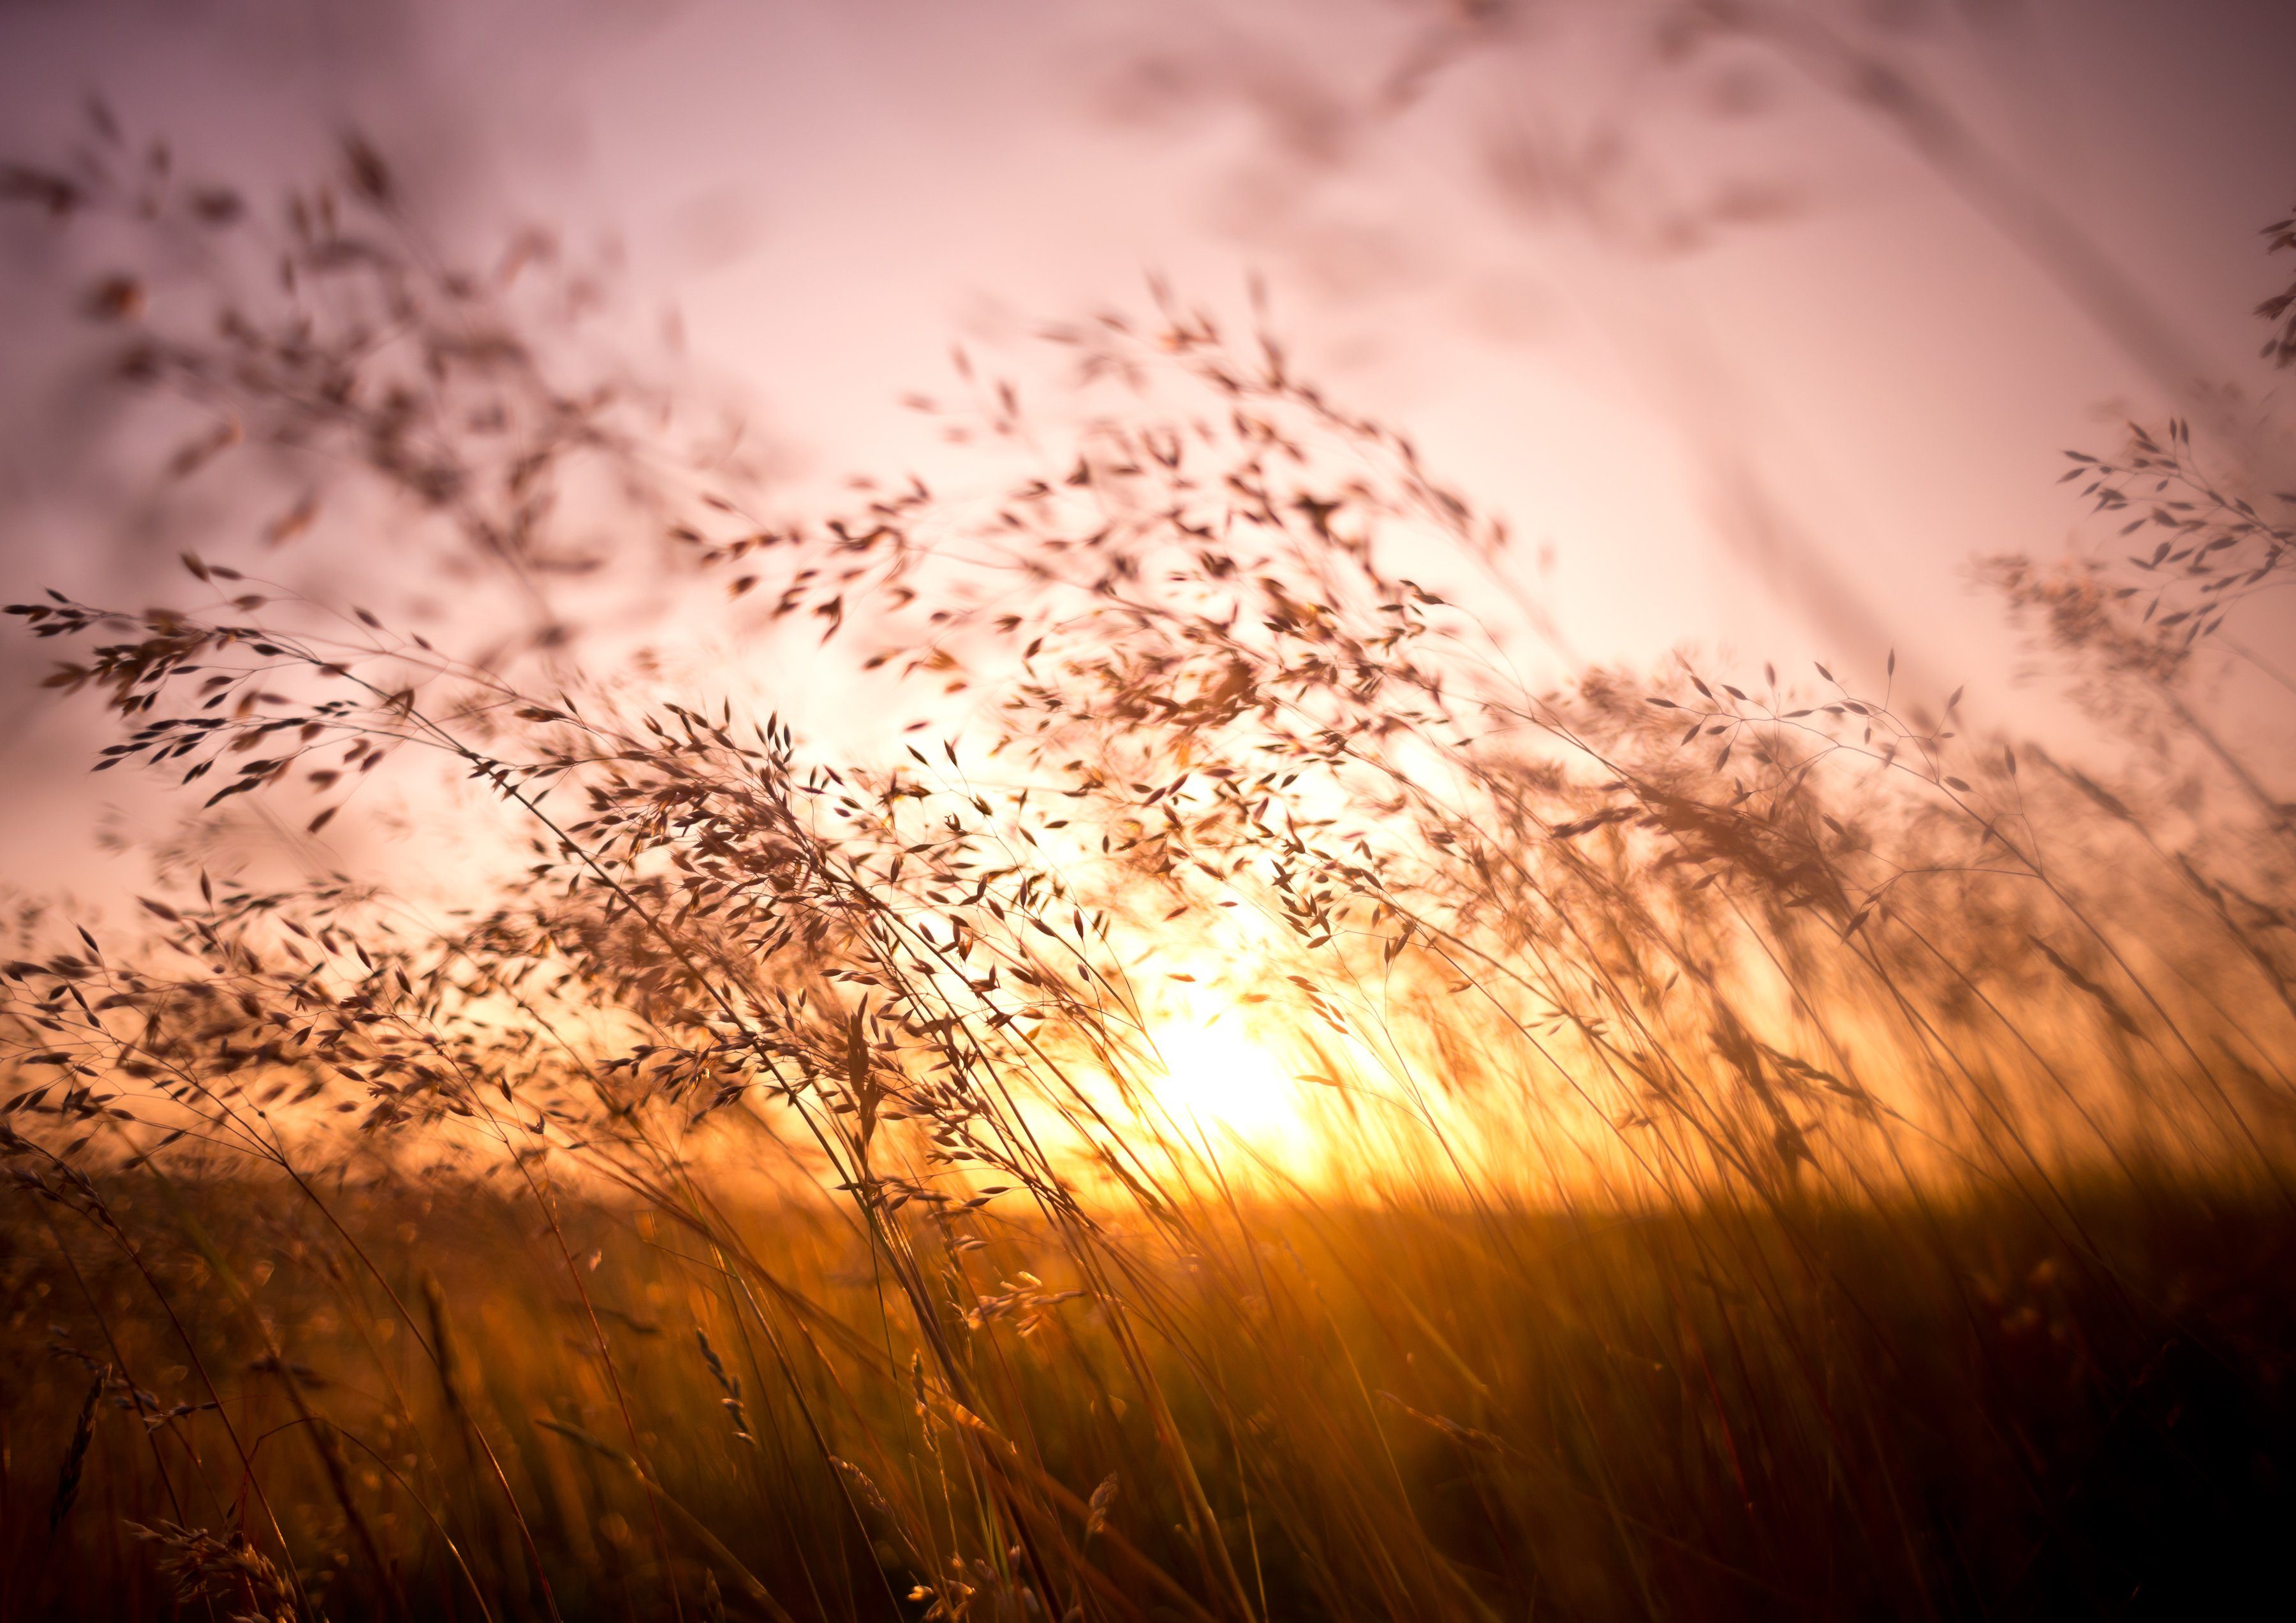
1748 368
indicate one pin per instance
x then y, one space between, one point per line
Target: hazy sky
1763 376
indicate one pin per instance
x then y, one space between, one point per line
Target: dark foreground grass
1971 1407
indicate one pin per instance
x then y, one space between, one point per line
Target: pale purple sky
1787 439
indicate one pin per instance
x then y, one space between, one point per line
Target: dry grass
1851 1411
1772 1152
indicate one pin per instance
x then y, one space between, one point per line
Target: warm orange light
1220 1083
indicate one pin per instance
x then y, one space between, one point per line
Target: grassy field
1953 1408
1248 1109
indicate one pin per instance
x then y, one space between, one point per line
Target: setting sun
1221 1080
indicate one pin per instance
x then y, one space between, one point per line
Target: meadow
1249 1110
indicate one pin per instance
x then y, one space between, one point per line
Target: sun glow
1220 1081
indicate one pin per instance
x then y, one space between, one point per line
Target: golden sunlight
1222 1081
